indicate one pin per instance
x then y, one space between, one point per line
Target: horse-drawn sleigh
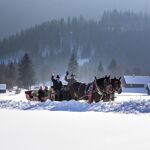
102 89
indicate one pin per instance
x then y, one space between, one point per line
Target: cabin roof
137 79
2 86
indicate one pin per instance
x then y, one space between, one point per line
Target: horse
99 87
110 89
116 86
65 93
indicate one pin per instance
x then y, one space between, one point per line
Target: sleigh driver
57 85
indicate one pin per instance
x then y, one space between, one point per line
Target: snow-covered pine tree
100 69
26 76
73 64
112 67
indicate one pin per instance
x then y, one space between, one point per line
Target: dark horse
99 87
116 87
104 89
113 88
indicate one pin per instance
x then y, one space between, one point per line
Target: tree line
22 73
88 71
19 74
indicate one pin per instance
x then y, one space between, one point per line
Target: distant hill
124 36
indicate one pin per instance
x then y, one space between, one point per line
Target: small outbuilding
136 81
2 88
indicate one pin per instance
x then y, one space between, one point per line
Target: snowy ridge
133 106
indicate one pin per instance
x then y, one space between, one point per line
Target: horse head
116 85
107 80
104 84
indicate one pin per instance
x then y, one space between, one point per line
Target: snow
37 130
124 103
137 79
83 61
2 86
12 96
132 106
75 125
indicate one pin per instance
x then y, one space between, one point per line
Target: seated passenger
52 93
41 94
47 92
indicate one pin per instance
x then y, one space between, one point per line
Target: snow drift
132 106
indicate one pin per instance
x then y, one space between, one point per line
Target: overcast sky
19 14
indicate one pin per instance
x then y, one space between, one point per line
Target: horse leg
112 97
106 98
90 97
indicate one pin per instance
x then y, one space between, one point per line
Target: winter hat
57 77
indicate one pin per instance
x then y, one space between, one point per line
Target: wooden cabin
2 88
136 81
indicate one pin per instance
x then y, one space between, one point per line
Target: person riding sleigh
70 80
57 85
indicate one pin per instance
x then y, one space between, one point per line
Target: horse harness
91 87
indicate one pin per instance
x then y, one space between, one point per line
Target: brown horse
116 87
105 89
100 87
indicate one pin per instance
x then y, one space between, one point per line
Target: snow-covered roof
137 79
2 86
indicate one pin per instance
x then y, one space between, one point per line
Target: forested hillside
122 38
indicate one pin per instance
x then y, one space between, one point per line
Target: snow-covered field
120 125
124 103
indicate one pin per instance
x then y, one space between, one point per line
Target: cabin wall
134 85
2 91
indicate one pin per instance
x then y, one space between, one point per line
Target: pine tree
100 68
73 64
113 67
2 72
11 74
26 74
137 71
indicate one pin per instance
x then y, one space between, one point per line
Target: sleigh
31 96
103 89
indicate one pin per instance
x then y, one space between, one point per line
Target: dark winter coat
41 94
57 85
